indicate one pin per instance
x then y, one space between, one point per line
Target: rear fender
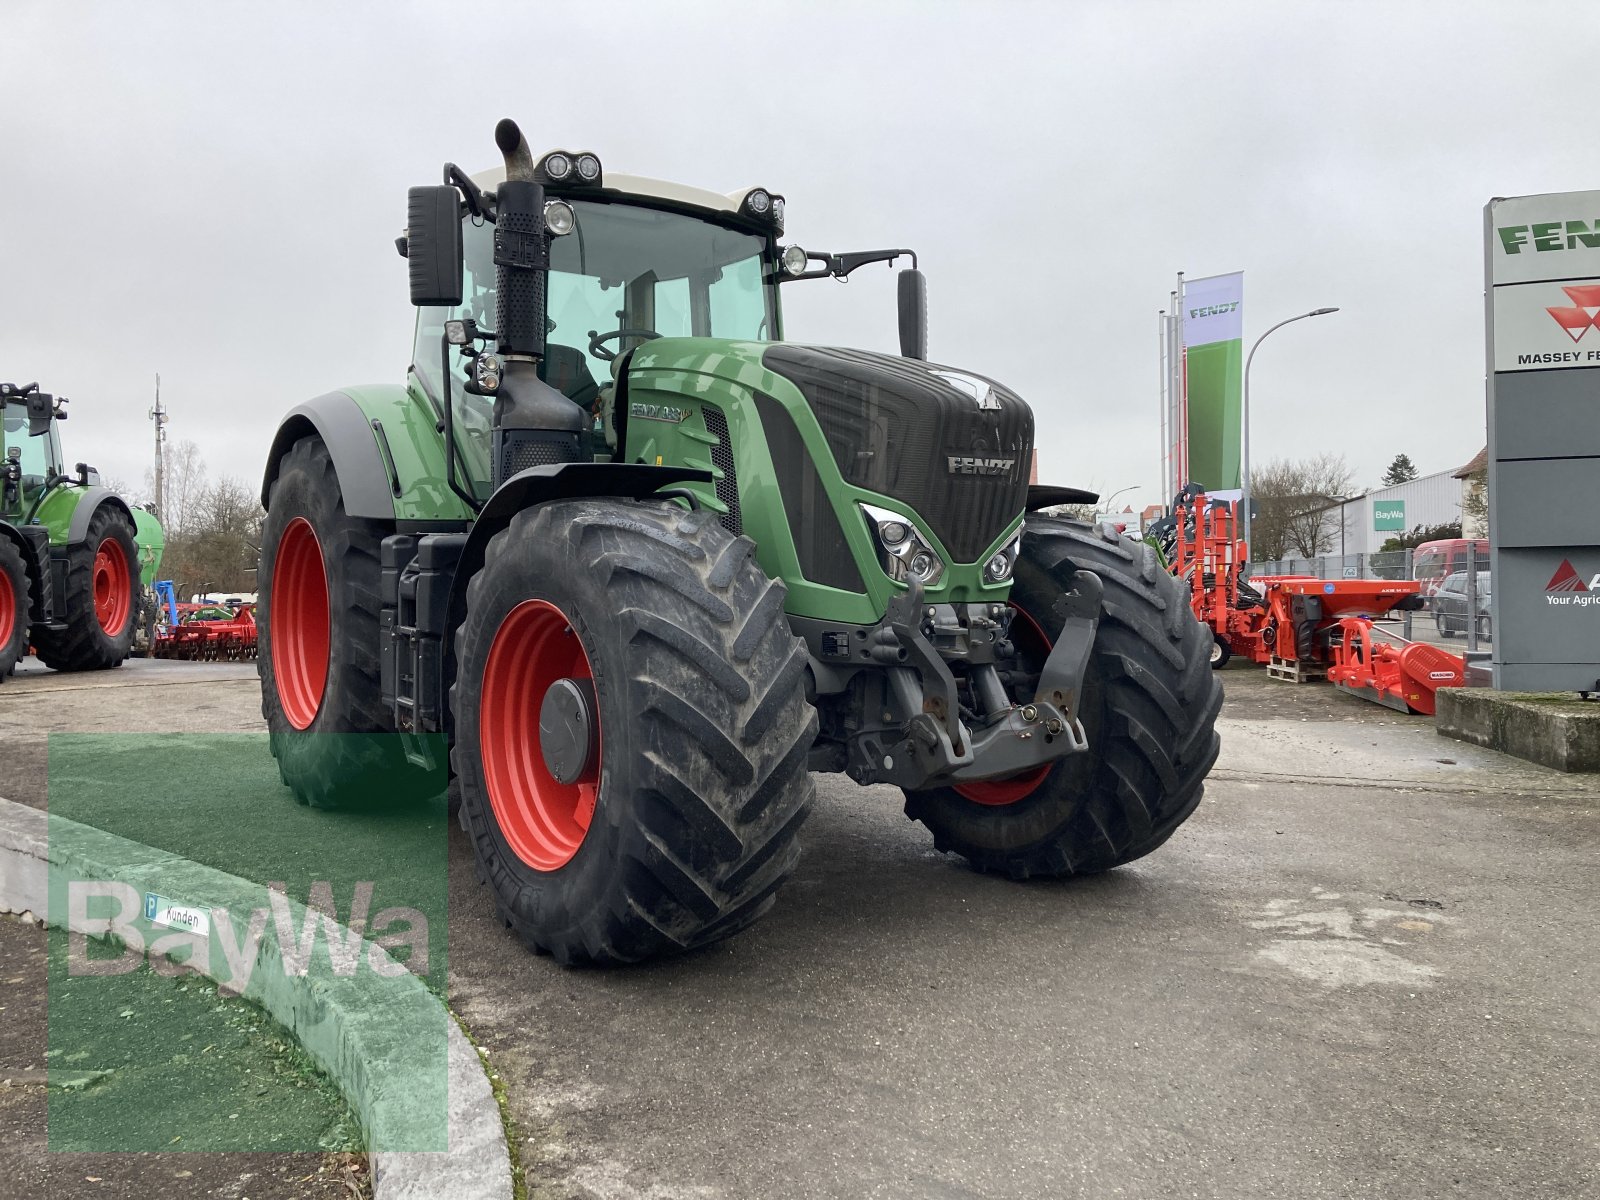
68 509
387 451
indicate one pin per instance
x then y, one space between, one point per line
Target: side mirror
433 245
41 411
913 314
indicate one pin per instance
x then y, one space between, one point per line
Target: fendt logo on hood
979 465
1578 318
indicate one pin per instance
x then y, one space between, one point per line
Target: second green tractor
622 568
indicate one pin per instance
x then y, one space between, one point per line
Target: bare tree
184 484
1292 497
216 546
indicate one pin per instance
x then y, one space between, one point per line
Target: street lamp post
1244 465
1132 487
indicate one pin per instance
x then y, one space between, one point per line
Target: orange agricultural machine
1301 628
1403 675
207 632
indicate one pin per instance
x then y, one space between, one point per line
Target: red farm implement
1300 628
208 633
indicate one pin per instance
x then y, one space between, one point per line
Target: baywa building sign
1542 257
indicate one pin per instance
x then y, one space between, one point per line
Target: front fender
562 481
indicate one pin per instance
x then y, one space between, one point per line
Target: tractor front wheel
317 634
13 607
1149 709
631 730
100 606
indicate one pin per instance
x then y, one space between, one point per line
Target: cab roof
645 188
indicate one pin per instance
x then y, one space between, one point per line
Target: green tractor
625 567
72 553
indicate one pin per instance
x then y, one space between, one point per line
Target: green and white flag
1213 377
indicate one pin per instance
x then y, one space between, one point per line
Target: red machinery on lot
207 632
1301 628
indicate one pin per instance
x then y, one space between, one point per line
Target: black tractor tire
683 826
1149 709
1221 651
336 746
14 608
86 640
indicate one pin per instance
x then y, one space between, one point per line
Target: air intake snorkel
534 424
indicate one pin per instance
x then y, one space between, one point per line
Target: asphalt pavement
1365 967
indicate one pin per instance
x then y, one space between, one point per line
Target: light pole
1132 487
1244 471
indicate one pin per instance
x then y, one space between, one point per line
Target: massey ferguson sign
1546 326
1542 267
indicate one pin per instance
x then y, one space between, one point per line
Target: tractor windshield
40 456
624 274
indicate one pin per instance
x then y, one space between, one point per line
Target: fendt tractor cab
71 551
638 565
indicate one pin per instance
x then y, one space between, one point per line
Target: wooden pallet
1293 671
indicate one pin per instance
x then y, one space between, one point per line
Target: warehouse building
1361 524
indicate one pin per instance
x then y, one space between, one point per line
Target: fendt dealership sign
1542 259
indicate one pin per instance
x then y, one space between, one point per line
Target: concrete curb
1556 730
362 1029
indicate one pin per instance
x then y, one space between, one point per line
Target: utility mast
159 416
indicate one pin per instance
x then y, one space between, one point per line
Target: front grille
722 459
893 425
819 541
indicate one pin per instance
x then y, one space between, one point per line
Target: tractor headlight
763 206
901 548
558 217
557 166
588 168
794 260
486 372
1000 565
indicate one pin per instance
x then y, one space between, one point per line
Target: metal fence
1456 588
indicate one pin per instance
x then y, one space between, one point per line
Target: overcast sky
212 191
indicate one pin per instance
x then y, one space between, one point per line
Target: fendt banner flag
1542 261
1213 332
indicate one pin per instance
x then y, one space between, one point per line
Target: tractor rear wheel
100 607
317 636
631 730
1149 708
13 607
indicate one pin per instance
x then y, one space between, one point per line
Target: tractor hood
955 447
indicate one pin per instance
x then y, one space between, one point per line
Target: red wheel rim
544 820
113 587
1031 642
8 611
300 623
